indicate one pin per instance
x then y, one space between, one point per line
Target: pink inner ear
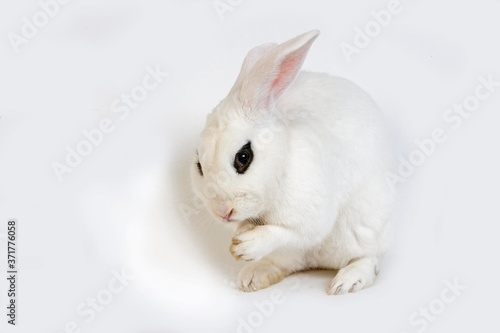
287 71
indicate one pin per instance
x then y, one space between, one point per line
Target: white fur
315 195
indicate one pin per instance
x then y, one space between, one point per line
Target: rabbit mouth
227 221
227 217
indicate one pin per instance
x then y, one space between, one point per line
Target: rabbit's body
315 196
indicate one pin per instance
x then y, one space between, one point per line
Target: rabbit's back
348 119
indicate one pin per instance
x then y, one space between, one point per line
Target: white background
122 207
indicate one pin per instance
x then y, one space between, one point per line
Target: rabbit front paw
250 245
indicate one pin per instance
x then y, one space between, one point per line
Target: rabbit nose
227 217
224 210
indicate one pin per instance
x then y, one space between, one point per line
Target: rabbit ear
255 55
269 70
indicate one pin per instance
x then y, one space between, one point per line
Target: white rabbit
298 162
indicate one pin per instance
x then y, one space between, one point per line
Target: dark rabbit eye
243 158
198 164
200 170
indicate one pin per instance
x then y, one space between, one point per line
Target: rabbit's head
242 153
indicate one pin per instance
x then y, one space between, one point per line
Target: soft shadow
213 239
